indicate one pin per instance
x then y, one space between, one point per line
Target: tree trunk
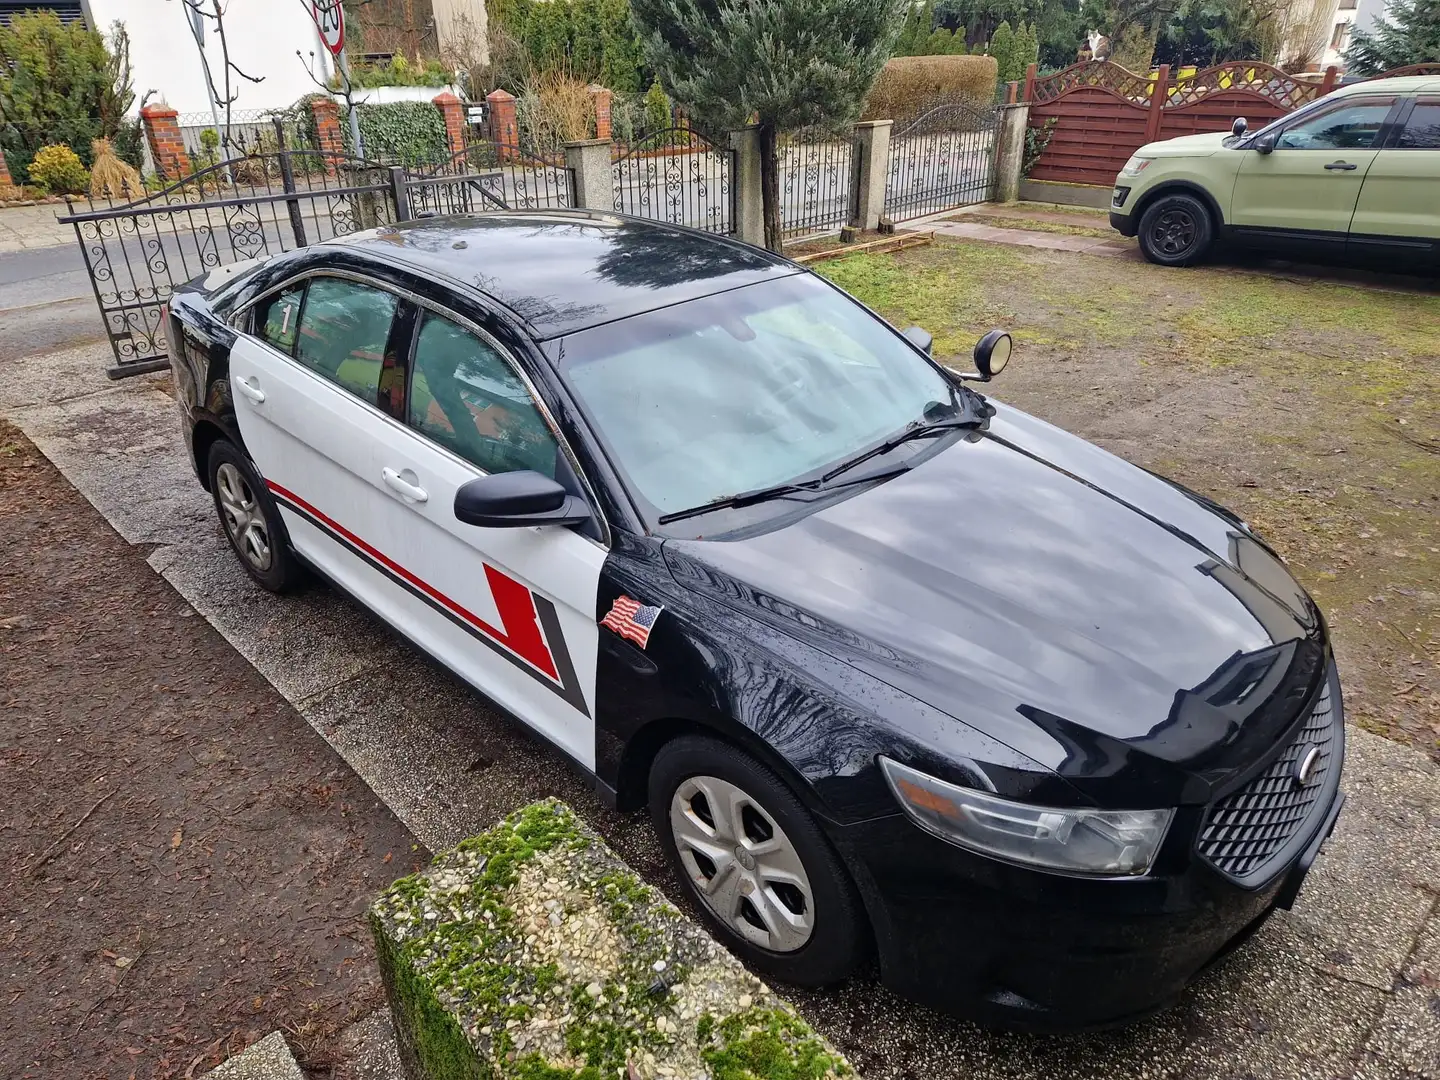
770 185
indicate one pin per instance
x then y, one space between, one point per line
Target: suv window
465 396
278 317
1422 130
1350 125
343 330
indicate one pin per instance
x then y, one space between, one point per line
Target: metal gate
136 253
942 160
814 182
676 175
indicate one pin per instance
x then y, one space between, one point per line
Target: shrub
554 110
1002 48
658 113
110 177
1036 140
908 85
406 132
939 42
57 170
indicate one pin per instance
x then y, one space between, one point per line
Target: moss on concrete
532 952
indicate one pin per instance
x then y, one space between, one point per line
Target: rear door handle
1343 166
395 482
251 389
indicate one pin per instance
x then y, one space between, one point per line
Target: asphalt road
46 302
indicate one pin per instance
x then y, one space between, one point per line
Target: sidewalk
25 228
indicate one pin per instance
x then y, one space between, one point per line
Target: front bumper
1124 224
1018 948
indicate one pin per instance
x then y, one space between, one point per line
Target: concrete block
532 951
268 1059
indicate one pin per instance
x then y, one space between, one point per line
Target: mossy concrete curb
532 952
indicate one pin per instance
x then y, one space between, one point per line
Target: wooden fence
1105 113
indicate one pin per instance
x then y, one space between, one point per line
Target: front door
1305 190
1399 208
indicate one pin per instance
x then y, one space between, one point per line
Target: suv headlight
1077 841
1135 166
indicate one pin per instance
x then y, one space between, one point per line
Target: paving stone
368 1049
268 1059
1408 1032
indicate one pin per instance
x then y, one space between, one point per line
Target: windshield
746 389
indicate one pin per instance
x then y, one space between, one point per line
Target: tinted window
1422 130
1351 126
343 330
744 389
466 397
278 317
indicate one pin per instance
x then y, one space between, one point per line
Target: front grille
1244 830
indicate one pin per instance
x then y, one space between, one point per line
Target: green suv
1356 173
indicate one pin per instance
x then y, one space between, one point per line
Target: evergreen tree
1408 33
587 40
790 64
1002 48
620 55
939 42
1027 49
957 43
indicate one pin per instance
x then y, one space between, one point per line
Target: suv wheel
251 519
1176 230
755 863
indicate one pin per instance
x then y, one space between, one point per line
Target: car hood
1088 614
1201 145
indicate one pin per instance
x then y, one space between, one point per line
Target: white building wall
262 35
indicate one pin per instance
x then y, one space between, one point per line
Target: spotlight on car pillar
992 353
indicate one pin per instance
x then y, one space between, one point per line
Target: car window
277 317
744 389
465 396
1422 130
343 330
1349 126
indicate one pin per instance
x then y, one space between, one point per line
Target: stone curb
532 951
268 1059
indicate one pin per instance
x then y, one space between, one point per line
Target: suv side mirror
1265 143
1239 127
921 338
513 499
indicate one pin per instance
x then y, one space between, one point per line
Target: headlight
1135 166
1079 841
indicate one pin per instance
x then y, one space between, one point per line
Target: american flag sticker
632 619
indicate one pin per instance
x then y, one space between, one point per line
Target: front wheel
251 519
1176 230
756 864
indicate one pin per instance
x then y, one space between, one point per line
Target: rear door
1305 190
1398 213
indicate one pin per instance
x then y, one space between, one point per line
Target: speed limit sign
330 18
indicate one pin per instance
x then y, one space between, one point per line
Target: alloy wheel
743 866
244 520
1174 232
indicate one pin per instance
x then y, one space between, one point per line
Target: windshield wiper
775 491
920 429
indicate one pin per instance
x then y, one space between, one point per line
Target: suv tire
1176 230
251 520
785 903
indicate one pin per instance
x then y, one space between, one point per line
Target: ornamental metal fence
488 175
943 160
675 175
815 182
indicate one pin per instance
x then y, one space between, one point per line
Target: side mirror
921 338
1239 127
1265 143
513 499
992 353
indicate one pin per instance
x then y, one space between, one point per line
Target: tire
1176 230
804 924
251 520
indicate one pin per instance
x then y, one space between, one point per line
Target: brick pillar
167 149
330 142
504 128
453 112
601 98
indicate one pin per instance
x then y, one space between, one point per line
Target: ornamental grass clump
110 177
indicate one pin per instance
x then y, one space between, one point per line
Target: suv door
511 610
1399 208
305 381
1305 190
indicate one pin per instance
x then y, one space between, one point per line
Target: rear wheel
755 862
251 519
1176 230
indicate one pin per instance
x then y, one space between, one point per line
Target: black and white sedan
898 670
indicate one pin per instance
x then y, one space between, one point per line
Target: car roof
565 270
1405 84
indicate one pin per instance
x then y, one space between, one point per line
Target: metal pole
355 142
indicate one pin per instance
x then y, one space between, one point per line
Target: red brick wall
327 132
167 148
601 98
504 128
454 114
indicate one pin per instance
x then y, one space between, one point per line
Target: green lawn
1311 406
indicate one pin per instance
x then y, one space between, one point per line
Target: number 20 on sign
330 18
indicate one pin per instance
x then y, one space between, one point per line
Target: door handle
1343 166
395 482
251 389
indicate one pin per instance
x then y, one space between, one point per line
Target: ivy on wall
403 132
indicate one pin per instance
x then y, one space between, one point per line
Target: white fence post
869 172
749 217
589 162
1010 150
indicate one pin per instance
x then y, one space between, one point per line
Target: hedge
402 132
908 85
